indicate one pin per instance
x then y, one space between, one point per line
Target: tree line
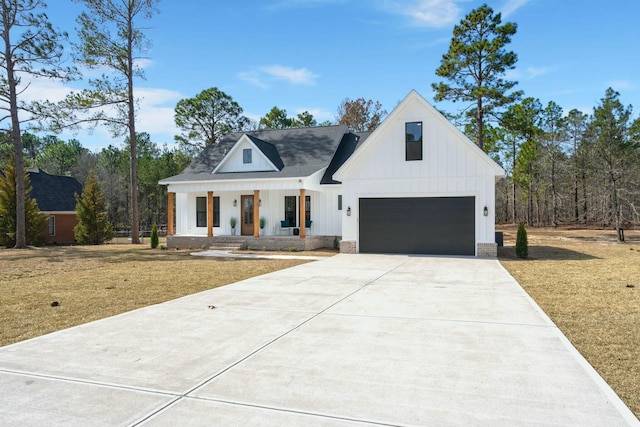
572 168
111 167
561 168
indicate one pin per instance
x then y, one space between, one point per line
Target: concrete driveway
350 340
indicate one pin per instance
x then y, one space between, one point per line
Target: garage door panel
436 225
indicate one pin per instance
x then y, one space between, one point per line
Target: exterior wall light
349 211
235 203
486 211
259 202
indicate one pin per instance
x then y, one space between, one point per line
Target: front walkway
350 340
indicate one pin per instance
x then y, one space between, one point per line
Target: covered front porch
254 213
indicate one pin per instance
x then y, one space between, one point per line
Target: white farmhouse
414 185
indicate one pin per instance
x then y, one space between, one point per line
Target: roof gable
294 152
461 154
54 193
264 157
269 150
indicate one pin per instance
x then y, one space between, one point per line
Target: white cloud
439 13
253 78
154 115
533 72
427 13
511 6
295 76
528 73
143 62
287 4
41 89
620 85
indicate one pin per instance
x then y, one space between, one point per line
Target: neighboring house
414 185
55 196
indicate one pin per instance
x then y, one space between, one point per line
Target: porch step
224 243
220 247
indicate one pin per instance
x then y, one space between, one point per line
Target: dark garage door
428 225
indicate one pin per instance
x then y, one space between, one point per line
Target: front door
246 216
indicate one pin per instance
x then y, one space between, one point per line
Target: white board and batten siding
324 209
451 166
234 162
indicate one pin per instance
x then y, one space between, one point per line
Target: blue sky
311 54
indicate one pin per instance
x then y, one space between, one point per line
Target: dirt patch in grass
46 289
589 285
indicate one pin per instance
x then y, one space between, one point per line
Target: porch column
303 205
256 213
210 213
170 213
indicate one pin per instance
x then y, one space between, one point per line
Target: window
201 211
413 141
216 211
52 226
339 202
307 208
246 155
290 210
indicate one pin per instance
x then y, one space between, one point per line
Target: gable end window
413 140
246 156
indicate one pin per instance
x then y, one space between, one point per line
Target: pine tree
154 236
93 226
522 243
35 221
475 66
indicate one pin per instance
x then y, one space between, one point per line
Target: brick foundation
284 243
347 246
489 250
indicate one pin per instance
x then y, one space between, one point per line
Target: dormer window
413 141
246 156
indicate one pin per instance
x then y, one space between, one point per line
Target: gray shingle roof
350 142
269 150
54 193
297 152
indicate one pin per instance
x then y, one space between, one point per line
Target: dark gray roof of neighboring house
54 193
296 152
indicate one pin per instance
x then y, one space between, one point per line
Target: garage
417 225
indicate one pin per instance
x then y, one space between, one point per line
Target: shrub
154 236
35 221
93 225
522 245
